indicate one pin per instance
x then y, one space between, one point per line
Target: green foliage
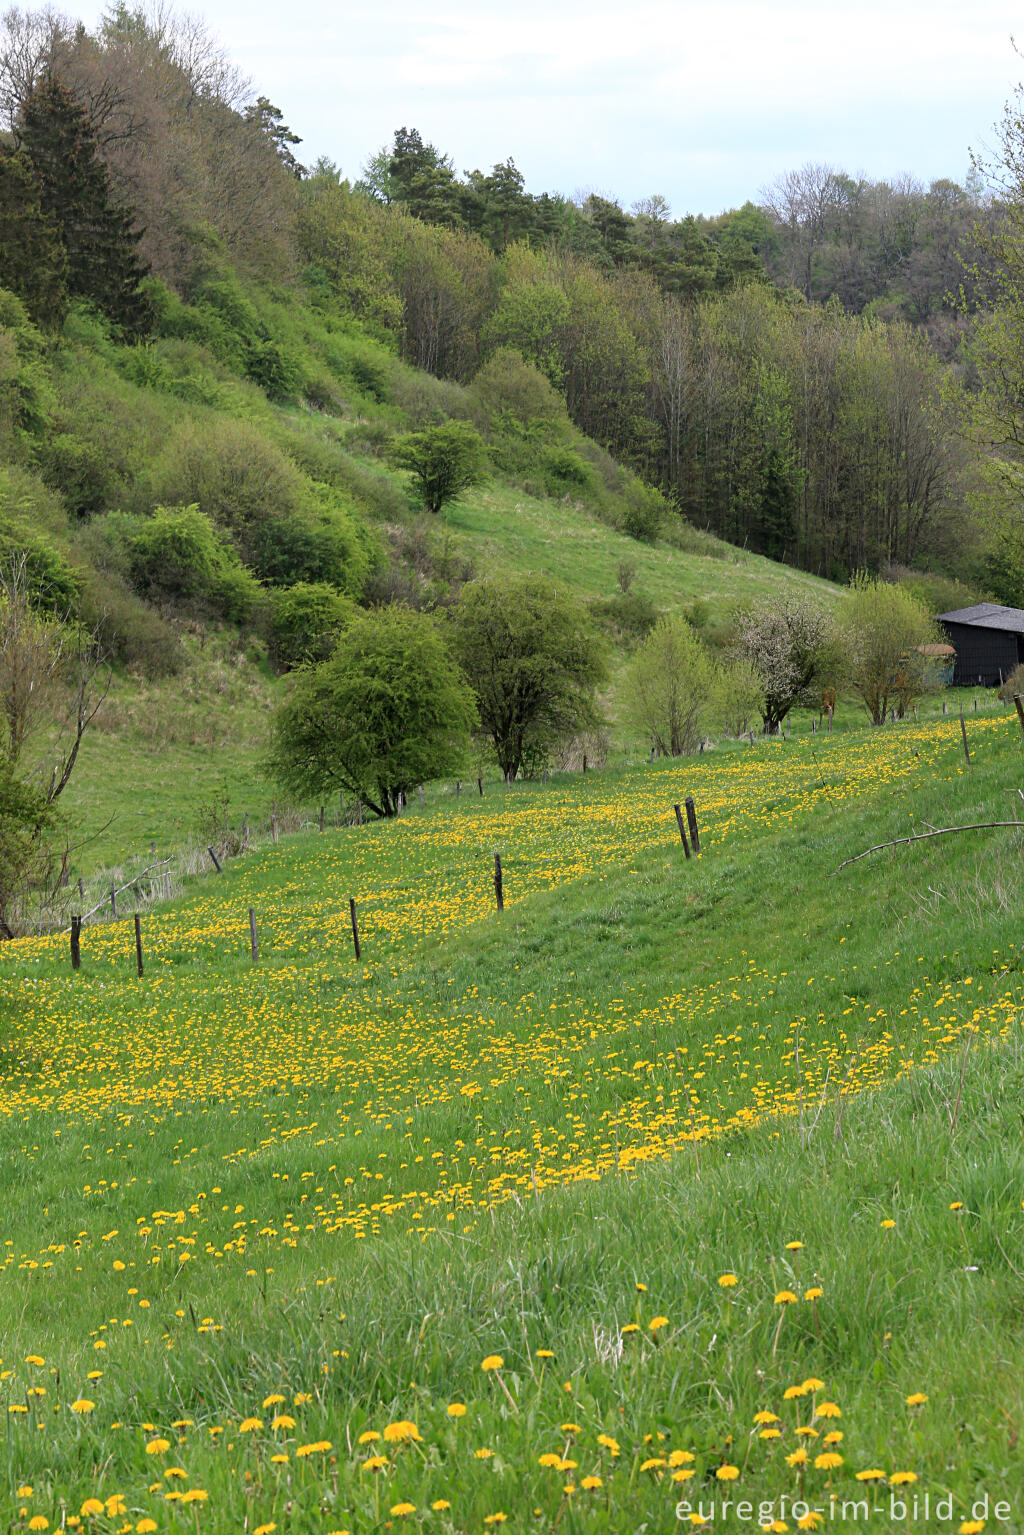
26 392
389 710
672 688
81 472
533 663
883 629
26 820
178 555
626 616
517 396
306 621
444 460
644 511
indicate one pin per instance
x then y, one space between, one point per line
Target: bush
1013 684
126 630
82 473
626 616
306 621
51 584
563 470
177 555
232 473
511 390
644 511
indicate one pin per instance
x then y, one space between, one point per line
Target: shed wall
984 656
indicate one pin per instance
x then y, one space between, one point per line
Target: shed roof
987 615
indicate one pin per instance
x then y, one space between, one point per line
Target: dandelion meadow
678 1186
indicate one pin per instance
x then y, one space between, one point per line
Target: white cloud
703 100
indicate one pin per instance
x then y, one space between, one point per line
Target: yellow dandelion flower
887 1225
551 1459
545 1353
608 1443
591 1483
798 1457
957 1204
456 1409
655 1325
902 1478
793 1247
498 1518
791 1392
631 1327
570 1428
265 1529
318 1447
806 1432
248 1425
653 1463
36 1359
682 1474
39 1522
812 1383
273 1400
827 1410
283 1420
157 1446
92 1506
916 1399
814 1293
147 1526
492 1362
871 1475
972 1526
727 1473
835 1437
812 1520
766 1417
279 1460
770 1433
680 1457
82 1404
484 1454
727 1281
828 1461
399 1510
439 1505
374 1463
402 1432
23 1492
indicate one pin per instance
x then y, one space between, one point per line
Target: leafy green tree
793 647
445 460
533 663
672 687
178 554
884 629
388 711
32 259
74 191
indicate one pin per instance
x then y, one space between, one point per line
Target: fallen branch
158 865
941 831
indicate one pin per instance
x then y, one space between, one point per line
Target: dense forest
829 377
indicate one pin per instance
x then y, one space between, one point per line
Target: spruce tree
33 263
103 263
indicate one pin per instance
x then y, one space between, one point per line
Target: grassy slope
386 1172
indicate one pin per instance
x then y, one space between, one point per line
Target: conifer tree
74 187
33 263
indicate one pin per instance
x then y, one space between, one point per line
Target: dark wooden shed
988 640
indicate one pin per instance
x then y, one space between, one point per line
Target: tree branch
941 831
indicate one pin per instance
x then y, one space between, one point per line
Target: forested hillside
209 351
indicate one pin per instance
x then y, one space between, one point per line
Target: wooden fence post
963 735
323 811
138 944
498 892
458 787
480 786
76 951
216 860
253 940
1019 702
167 885
355 926
113 901
420 786
691 821
81 886
682 831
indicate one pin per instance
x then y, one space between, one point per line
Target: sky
702 101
